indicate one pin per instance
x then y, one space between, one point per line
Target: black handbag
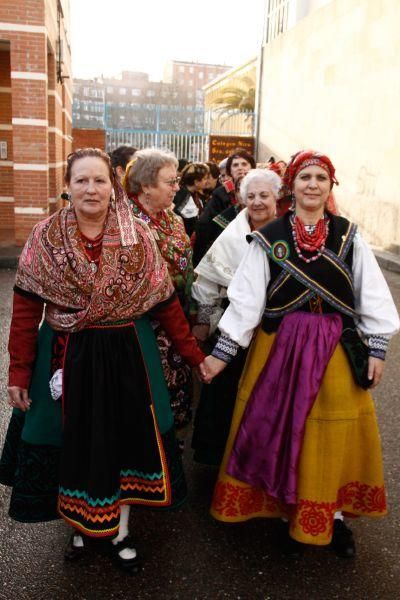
357 354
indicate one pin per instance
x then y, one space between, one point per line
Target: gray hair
144 168
269 177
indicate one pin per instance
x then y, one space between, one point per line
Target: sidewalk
387 260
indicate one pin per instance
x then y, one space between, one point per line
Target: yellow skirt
340 467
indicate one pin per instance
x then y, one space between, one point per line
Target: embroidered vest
324 285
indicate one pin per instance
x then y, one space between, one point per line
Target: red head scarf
300 161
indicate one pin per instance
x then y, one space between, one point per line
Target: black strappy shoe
72 552
129 565
342 542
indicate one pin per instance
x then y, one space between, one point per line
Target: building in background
88 109
133 102
35 112
329 81
189 79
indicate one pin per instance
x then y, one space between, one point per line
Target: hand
201 332
212 366
18 398
375 370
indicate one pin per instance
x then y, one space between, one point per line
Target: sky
141 35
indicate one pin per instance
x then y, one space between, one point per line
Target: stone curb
387 260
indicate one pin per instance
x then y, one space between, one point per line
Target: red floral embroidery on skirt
314 518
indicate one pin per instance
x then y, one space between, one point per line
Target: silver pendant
93 266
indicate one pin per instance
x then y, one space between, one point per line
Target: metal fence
185 132
193 146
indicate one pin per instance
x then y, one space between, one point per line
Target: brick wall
88 138
35 116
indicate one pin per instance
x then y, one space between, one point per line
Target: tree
241 96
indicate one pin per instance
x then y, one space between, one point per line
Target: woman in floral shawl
151 184
96 271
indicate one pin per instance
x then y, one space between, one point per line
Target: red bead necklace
309 241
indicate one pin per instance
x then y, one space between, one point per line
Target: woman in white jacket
258 193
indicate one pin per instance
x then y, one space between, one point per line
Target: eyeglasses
172 182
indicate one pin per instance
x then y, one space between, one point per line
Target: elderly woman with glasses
151 183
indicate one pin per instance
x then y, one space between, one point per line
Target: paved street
188 555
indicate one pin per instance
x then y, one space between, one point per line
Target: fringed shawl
130 280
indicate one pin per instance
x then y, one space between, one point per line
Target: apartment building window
181 69
122 91
191 70
190 95
135 92
277 18
201 75
110 89
190 82
86 91
150 93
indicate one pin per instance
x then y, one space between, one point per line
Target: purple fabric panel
268 443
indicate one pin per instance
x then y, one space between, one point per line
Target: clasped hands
209 368
18 398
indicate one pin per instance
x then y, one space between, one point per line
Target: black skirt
118 445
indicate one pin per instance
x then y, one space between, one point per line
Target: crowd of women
121 294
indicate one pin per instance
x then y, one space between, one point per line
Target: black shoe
342 540
290 548
72 552
129 565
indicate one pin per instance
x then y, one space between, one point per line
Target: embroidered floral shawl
173 243
130 280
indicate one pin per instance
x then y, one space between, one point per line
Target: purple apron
267 447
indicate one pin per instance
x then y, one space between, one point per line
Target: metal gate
179 138
192 146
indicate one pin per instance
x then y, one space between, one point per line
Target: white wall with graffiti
332 83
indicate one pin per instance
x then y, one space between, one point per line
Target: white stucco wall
332 83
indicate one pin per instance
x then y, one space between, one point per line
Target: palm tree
236 99
240 97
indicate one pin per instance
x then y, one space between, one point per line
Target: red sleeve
26 317
173 320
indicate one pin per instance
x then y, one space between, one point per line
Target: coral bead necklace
309 238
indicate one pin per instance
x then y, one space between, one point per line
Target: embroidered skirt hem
340 464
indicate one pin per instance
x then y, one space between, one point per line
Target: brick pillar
54 131
30 125
7 234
